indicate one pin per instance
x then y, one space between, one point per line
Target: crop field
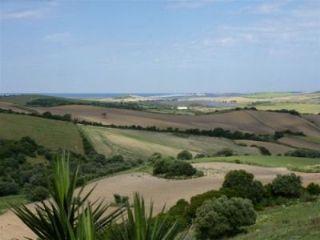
49 133
298 221
292 163
142 144
300 107
158 190
251 121
274 148
309 142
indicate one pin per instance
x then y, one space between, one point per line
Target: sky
101 46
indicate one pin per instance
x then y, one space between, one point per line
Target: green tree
223 216
184 155
287 185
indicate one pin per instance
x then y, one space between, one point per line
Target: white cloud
22 14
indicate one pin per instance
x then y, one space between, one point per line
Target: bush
239 183
184 155
171 168
154 157
200 155
263 150
8 188
225 152
287 185
38 193
179 214
304 153
223 216
118 199
313 189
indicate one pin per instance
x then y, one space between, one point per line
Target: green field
142 144
292 163
6 201
21 99
52 134
299 221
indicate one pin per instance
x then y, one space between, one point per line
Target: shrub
38 193
179 214
263 150
225 152
287 185
118 199
223 216
171 168
154 157
304 153
184 155
313 189
8 188
239 183
200 155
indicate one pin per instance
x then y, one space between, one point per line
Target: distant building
182 108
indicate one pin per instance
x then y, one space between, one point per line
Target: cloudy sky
159 46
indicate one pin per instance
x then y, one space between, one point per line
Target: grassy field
300 107
49 133
299 221
4 201
133 143
292 163
21 99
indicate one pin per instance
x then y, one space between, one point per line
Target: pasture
52 134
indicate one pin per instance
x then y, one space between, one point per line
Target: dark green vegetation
70 216
13 200
220 211
171 168
222 217
184 155
307 153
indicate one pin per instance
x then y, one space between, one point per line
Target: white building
182 108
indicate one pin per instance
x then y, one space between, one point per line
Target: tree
184 155
8 188
239 183
313 189
287 185
223 216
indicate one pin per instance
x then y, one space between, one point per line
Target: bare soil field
274 148
161 191
300 142
250 121
13 107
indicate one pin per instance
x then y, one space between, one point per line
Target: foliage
184 155
67 216
37 193
225 152
120 200
173 168
154 157
263 150
8 188
287 185
313 189
223 216
140 225
240 183
304 153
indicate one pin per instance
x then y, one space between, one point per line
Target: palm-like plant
139 225
67 215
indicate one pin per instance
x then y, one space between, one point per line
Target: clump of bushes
313 189
289 186
304 153
226 152
242 184
184 155
171 168
263 150
120 200
223 216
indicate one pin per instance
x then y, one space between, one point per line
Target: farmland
143 144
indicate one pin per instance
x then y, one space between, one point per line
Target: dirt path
161 191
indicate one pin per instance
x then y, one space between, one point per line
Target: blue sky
160 46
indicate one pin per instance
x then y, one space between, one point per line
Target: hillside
251 121
49 133
142 144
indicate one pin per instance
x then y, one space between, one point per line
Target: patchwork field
251 121
302 142
142 144
158 189
291 163
49 133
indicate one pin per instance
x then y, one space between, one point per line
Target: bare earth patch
161 191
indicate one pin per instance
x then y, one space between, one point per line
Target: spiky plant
140 225
67 215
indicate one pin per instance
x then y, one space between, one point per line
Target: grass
263 95
298 221
292 163
142 144
52 134
15 199
21 99
300 107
